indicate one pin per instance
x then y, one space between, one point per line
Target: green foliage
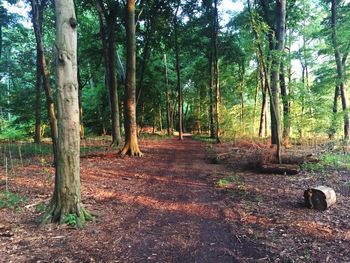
313 167
223 182
11 200
71 219
40 208
337 161
328 160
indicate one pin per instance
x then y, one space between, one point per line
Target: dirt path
160 208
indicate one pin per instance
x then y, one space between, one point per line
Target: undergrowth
328 161
11 200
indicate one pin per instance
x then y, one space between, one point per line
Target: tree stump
319 198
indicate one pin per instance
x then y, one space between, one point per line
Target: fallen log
319 198
288 169
291 159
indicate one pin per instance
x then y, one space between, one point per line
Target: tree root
131 150
55 214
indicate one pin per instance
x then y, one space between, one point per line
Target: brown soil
167 207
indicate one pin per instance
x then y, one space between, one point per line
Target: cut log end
319 198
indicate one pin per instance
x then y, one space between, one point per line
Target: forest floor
176 205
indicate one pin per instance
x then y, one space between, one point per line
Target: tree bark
45 77
275 70
67 199
131 146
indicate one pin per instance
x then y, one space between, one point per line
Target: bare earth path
160 208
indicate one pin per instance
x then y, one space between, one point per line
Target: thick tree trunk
178 76
67 199
45 76
131 146
276 137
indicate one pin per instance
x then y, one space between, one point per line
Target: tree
340 60
131 146
66 199
109 55
178 74
43 72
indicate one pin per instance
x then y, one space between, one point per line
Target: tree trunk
45 77
168 113
340 69
144 62
286 109
109 55
80 99
37 133
241 93
113 86
216 69
263 101
333 129
131 146
67 199
275 69
179 88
